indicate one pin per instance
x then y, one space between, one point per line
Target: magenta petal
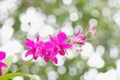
48 45
29 52
42 52
53 39
29 43
61 37
35 57
53 54
62 52
55 60
66 46
38 38
2 55
36 54
47 59
82 42
2 64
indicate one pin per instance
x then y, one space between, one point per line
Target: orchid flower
51 52
59 43
78 38
2 64
50 56
35 48
55 46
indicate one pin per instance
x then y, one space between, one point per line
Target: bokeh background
99 60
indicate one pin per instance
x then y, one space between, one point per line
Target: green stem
12 75
26 63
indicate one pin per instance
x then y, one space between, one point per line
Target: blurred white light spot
7 7
46 31
12 47
32 21
61 60
93 21
80 65
116 18
91 74
52 75
118 63
18 78
114 52
95 13
61 70
87 50
72 71
7 30
67 2
74 16
6 34
32 31
112 3
24 22
25 58
100 49
109 75
36 21
68 29
37 77
41 62
51 19
96 61
106 12
71 54
118 67
25 27
15 59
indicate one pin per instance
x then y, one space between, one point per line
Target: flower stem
26 63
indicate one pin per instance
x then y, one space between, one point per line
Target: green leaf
8 61
12 75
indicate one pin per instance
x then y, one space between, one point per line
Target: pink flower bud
78 38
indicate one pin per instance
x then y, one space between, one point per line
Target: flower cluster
58 45
2 64
49 49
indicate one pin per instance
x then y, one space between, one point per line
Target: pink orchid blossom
55 46
50 56
92 30
59 43
2 64
51 52
36 48
78 38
